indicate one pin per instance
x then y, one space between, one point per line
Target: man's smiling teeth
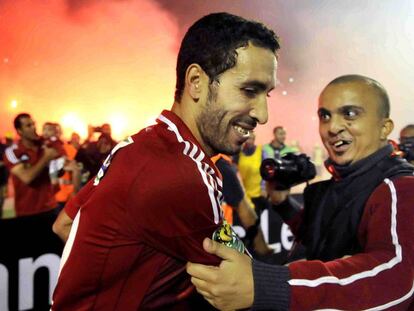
242 131
340 143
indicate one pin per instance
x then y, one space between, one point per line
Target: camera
290 170
407 148
97 129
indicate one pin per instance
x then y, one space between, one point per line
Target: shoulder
267 147
13 153
401 186
395 192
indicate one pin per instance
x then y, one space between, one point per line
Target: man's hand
50 153
228 286
276 196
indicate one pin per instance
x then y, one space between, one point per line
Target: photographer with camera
356 227
407 142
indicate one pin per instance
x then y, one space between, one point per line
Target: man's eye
324 116
350 114
251 92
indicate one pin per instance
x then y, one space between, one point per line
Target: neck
28 143
276 144
188 115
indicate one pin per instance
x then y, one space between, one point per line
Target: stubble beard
211 127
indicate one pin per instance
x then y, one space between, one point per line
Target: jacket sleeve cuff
271 288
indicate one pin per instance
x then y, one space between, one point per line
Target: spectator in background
75 140
69 178
94 131
28 161
4 176
92 155
248 163
277 148
407 132
407 142
51 138
4 172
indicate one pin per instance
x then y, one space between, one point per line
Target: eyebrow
257 84
342 109
323 110
348 107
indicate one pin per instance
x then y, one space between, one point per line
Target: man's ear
195 79
386 129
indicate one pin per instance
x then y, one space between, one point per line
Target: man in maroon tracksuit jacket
158 194
357 227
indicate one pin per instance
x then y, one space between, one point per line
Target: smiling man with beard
357 227
158 193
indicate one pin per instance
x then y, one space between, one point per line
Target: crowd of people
42 171
147 221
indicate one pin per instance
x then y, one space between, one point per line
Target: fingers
219 250
200 271
207 291
202 287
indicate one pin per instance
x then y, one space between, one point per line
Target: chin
340 160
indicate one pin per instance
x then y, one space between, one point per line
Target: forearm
62 225
28 174
246 214
271 288
291 213
338 284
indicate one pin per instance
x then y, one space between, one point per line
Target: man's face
237 102
106 129
280 135
406 134
75 138
27 129
350 125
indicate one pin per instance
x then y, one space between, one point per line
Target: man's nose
259 110
336 125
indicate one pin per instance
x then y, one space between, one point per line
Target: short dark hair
277 128
383 105
211 42
18 120
407 127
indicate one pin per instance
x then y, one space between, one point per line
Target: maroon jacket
381 277
378 274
